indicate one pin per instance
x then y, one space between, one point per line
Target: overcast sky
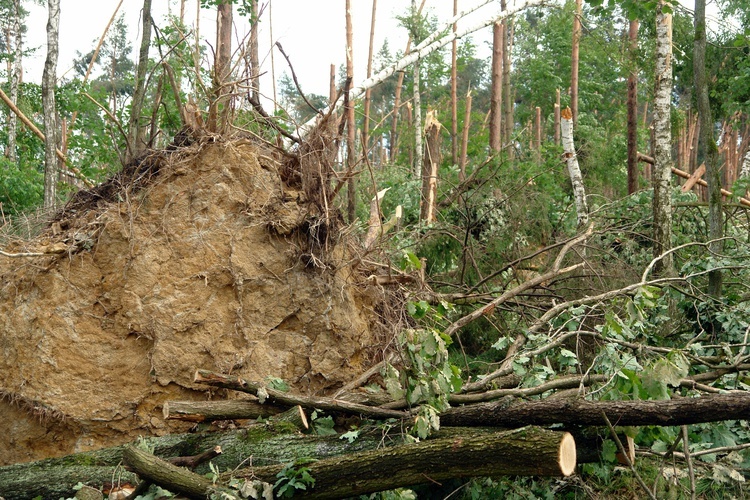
311 32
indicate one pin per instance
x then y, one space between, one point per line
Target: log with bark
525 451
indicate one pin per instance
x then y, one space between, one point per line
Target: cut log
287 399
509 412
527 451
206 411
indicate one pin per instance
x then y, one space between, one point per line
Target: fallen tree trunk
509 412
202 411
526 451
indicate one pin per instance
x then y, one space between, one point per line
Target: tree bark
368 92
633 108
218 115
496 99
508 122
15 81
574 60
137 129
351 131
169 476
509 412
527 451
254 54
49 82
707 152
579 193
465 138
203 411
662 171
417 99
454 91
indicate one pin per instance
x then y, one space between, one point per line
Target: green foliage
291 479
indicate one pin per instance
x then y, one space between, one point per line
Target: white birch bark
662 170
745 170
15 80
418 153
422 51
574 170
49 82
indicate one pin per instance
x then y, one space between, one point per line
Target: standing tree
574 59
633 108
707 150
218 114
368 93
663 139
496 101
15 76
351 133
454 91
137 129
49 82
418 153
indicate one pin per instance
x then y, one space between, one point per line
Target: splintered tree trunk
368 92
707 151
454 91
15 80
574 60
579 193
351 132
136 129
633 109
662 170
496 99
432 160
49 81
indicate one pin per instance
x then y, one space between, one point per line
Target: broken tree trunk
431 162
510 412
579 193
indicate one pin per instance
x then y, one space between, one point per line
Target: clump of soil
193 261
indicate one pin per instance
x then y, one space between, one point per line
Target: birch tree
662 173
707 150
574 170
417 98
49 82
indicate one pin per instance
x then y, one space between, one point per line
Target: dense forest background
492 167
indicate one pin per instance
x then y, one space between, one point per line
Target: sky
311 32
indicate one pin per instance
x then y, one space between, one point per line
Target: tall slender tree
137 129
417 99
351 135
49 82
15 78
633 108
496 99
662 170
454 91
574 59
219 109
707 151
368 93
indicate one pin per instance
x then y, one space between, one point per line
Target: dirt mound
199 266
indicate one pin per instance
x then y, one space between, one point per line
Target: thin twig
627 457
112 118
686 451
296 83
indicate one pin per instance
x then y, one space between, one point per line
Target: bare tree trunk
633 109
273 64
557 117
508 123
579 193
49 82
332 84
397 99
574 60
454 91
662 170
218 115
745 170
136 129
465 138
254 55
418 153
496 99
15 80
707 151
368 92
351 132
